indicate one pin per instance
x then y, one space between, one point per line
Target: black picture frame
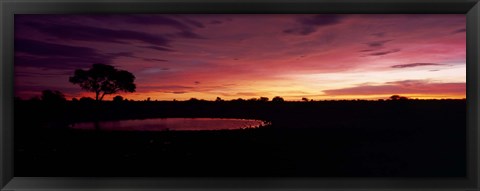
10 7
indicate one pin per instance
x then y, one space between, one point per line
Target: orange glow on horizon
142 97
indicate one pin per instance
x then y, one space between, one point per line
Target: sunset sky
247 56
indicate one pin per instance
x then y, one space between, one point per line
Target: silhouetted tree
52 96
394 97
103 80
397 97
278 99
193 99
219 99
238 100
263 99
117 98
304 99
74 99
86 99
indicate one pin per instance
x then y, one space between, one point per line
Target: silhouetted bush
117 98
86 99
263 99
193 99
238 100
51 96
278 99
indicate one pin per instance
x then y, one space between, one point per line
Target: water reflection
174 124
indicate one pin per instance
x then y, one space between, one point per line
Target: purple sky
246 56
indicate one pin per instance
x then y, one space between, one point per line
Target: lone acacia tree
103 80
397 97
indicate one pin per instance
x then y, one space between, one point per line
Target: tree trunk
101 98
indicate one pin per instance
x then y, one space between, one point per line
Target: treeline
55 96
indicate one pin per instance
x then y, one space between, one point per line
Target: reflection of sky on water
176 124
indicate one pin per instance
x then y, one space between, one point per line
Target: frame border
10 7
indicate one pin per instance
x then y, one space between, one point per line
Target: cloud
381 53
154 70
189 34
366 50
310 24
321 20
415 65
123 54
154 59
462 30
145 19
379 34
158 48
185 25
97 34
376 44
179 89
40 48
216 22
194 23
56 56
170 88
36 90
131 55
402 87
66 63
241 94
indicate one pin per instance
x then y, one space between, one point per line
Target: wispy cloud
98 34
309 24
381 53
158 48
462 30
402 87
45 55
379 34
415 65
377 44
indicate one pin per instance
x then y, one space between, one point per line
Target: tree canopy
397 97
278 99
103 79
